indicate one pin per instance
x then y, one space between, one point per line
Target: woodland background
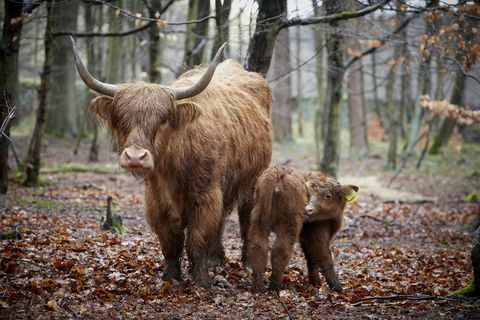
383 94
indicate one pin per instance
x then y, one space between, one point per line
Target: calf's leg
281 253
244 216
257 251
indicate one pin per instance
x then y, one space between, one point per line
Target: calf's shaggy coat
199 154
295 204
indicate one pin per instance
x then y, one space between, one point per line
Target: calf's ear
102 106
350 192
184 113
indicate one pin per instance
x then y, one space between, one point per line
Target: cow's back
231 140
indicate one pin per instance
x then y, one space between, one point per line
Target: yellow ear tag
351 197
308 184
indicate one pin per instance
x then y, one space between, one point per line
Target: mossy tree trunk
222 12
155 51
319 124
62 115
299 99
9 49
260 47
196 53
282 90
32 169
473 289
335 72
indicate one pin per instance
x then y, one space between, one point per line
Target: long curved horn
183 93
98 86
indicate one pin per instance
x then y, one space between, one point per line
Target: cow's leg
172 240
204 221
168 226
244 216
281 252
217 256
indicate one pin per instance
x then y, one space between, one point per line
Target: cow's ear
103 106
184 113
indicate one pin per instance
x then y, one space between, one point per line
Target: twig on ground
24 260
283 304
384 221
404 297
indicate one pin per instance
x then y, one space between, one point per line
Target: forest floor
409 244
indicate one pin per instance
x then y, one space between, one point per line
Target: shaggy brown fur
284 203
206 153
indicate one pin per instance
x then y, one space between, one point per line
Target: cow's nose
308 210
134 158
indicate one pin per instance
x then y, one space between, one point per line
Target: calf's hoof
258 288
336 288
203 282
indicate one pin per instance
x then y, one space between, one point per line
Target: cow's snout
134 159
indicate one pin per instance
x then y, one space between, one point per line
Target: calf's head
138 113
327 199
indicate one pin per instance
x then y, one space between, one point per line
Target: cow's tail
266 191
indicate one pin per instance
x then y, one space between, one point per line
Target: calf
295 204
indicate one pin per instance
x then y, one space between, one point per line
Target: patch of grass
38 202
78 167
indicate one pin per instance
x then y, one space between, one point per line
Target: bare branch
285 22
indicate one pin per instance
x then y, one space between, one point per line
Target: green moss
37 202
469 291
77 167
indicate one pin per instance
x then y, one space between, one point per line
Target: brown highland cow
295 204
199 145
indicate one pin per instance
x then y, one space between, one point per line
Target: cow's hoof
204 282
172 273
258 288
217 261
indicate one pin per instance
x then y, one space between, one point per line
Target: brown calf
199 145
287 199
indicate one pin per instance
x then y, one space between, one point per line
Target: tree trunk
356 107
376 102
62 116
446 130
392 113
34 151
222 12
282 91
260 47
299 99
331 156
112 63
473 289
405 96
200 33
155 52
94 63
320 110
9 46
423 88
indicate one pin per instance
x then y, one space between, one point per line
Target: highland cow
199 145
295 204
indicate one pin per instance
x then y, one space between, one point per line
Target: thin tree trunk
392 114
197 54
282 91
34 151
376 102
423 88
405 96
299 99
112 64
356 107
190 35
9 47
94 63
155 52
222 12
319 111
331 156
